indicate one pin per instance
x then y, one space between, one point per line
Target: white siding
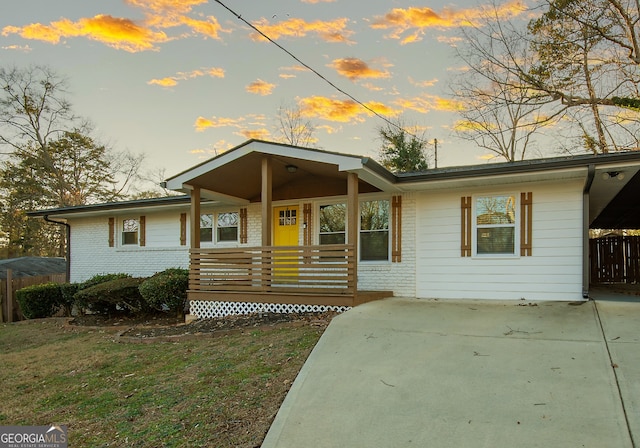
553 272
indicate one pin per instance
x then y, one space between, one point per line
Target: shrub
109 297
103 307
167 288
39 301
68 291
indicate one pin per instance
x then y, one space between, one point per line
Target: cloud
119 33
23 48
258 134
317 1
425 103
340 110
330 31
415 20
204 123
260 87
354 68
425 83
126 34
171 81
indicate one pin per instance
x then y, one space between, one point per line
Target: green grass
218 391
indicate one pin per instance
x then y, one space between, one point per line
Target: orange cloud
340 110
426 83
426 103
258 134
122 34
331 31
260 87
354 68
204 123
171 81
400 20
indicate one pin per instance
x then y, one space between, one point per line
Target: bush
119 295
167 288
39 301
68 291
97 305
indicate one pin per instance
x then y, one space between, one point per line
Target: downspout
585 230
68 249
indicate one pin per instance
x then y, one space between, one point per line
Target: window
228 226
206 228
495 222
332 224
130 229
374 230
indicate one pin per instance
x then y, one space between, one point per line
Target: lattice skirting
206 309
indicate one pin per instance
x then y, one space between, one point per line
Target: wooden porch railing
325 270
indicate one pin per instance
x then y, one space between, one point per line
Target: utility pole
435 144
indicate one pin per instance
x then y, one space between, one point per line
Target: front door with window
286 233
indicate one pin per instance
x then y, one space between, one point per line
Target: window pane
130 225
496 240
495 210
332 218
227 219
332 238
227 234
206 234
206 221
374 215
374 245
129 237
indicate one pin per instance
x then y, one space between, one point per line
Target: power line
308 67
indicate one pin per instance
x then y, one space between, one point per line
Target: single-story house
269 226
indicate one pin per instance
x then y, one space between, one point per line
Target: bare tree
558 68
293 128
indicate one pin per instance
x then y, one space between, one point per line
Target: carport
614 205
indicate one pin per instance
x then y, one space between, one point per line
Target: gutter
591 172
68 248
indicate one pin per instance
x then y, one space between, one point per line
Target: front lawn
218 390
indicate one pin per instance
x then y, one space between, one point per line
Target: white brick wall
398 277
91 254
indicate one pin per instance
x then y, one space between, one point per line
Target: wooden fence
9 309
615 259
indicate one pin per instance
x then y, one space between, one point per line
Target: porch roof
235 176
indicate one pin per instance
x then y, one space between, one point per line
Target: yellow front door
286 233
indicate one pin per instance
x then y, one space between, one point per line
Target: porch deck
305 275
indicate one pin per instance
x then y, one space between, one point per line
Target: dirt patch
161 326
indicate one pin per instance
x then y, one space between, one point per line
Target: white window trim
316 219
516 226
375 197
121 232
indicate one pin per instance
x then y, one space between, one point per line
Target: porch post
195 218
267 184
353 212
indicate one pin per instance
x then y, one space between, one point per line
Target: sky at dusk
184 80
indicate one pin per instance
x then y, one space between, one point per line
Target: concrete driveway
423 373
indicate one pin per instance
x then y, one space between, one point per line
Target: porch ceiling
615 202
242 178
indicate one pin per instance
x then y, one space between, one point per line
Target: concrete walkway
422 373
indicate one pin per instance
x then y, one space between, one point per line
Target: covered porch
301 271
